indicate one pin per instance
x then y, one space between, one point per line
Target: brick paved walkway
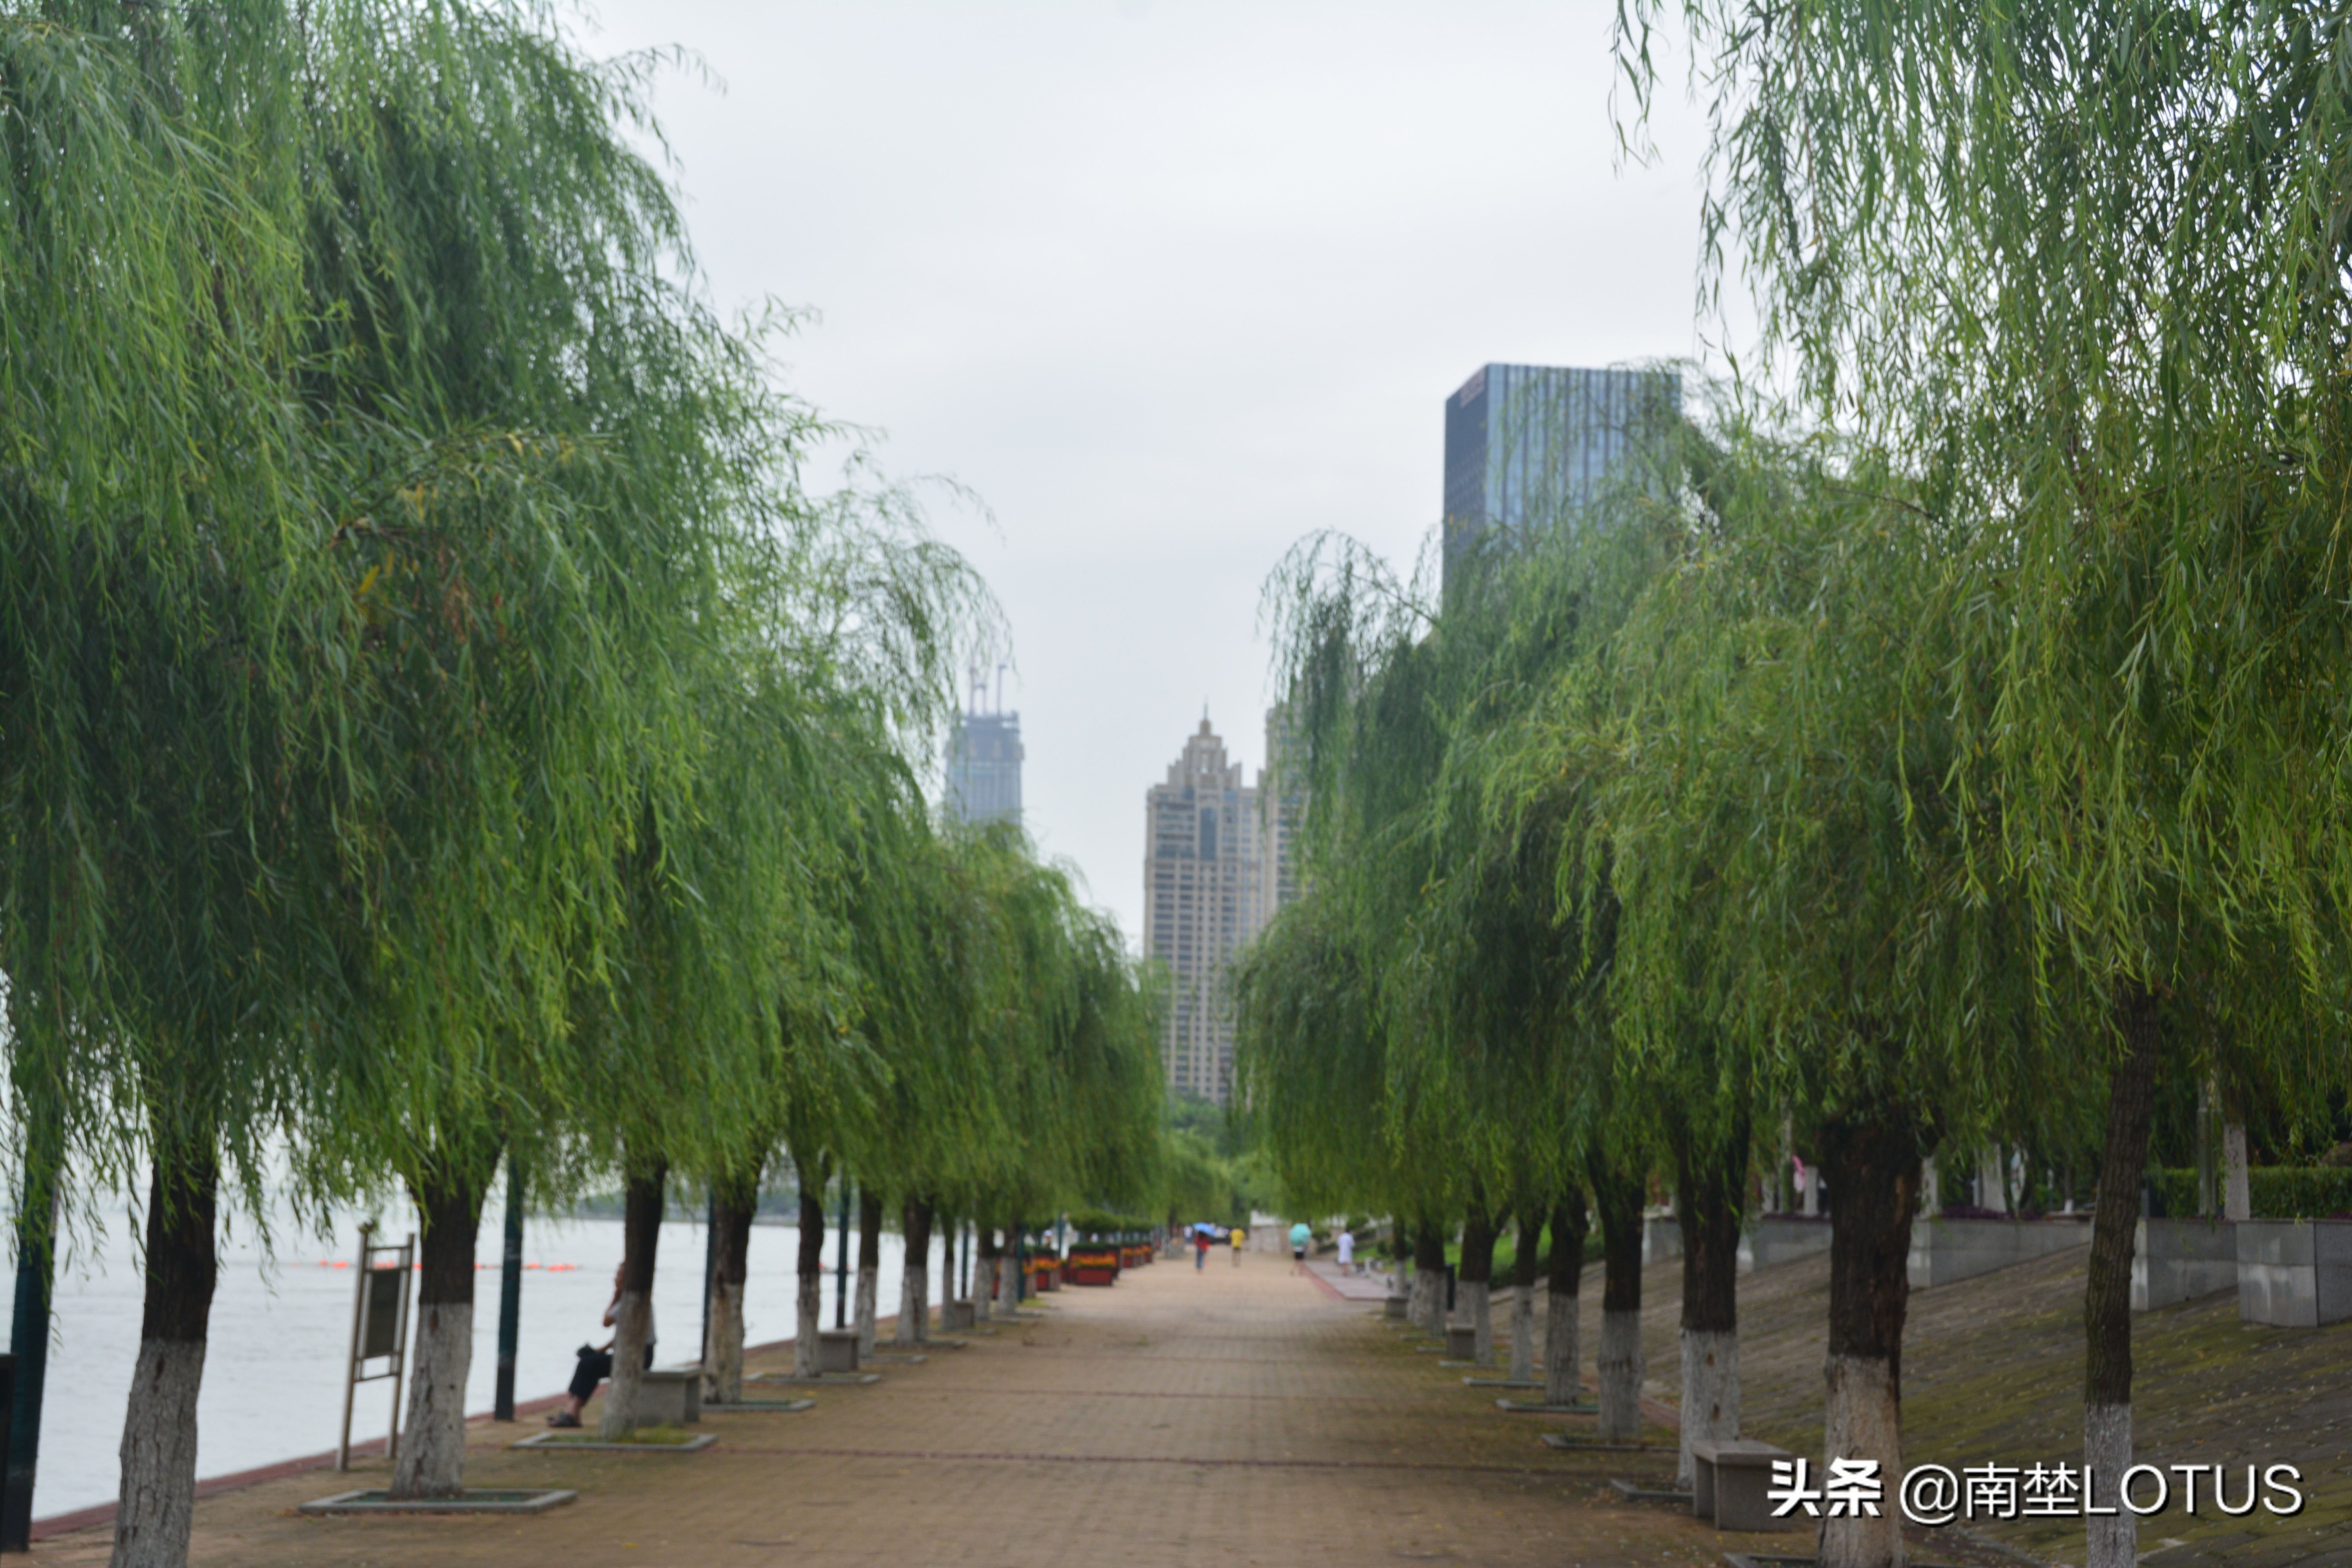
1234 1416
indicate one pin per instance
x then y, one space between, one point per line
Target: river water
281 1328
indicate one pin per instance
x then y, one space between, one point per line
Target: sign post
379 1333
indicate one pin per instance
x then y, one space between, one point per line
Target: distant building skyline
984 757
1215 870
1528 443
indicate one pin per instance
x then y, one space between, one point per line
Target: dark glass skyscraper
984 768
1529 444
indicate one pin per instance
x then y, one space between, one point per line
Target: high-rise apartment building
1281 806
1214 872
984 768
1528 444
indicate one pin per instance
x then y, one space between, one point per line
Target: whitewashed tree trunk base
2237 1193
914 1306
1475 1299
1523 1334
432 1438
983 1288
157 1505
629 1325
1429 1292
1562 1352
1864 1422
2109 1540
868 1284
722 1358
808 1322
1621 1368
1710 1411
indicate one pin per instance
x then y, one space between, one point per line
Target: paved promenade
1231 1415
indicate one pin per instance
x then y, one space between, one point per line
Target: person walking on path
1299 1236
1238 1238
1200 1248
1346 1249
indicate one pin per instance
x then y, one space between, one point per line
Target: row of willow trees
1953 750
436 724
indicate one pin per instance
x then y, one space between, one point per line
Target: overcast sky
1168 286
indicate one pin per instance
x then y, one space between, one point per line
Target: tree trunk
632 1325
156 1505
1993 1179
733 1205
2113 1539
1562 1354
915 1278
1475 1284
1709 1186
984 1270
1428 1306
1618 1196
1524 1278
869 1265
809 1300
1871 1160
432 1461
1008 1269
2237 1192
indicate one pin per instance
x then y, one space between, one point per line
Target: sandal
564 1418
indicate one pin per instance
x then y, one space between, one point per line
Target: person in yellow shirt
1239 1235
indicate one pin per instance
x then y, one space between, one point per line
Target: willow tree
557 462
1621 1109
1498 977
706 1040
1371 670
1309 1064
2084 266
1105 1151
940 1114
1069 1029
1791 876
166 559
849 802
1492 998
841 1074
843 1028
924 928
866 614
1519 953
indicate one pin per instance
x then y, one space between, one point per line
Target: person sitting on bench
596 1364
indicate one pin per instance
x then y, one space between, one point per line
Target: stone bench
836 1350
956 1314
2294 1273
2177 1260
1395 1306
670 1398
1461 1341
1729 1480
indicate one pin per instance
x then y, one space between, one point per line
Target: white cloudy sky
1169 284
